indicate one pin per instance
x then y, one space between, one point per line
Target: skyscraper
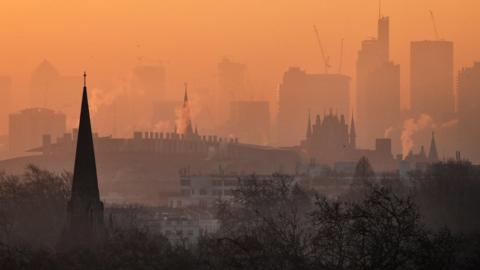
85 224
300 91
469 111
250 121
431 79
28 126
378 87
232 83
49 89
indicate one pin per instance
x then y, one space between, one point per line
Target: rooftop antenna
435 30
379 9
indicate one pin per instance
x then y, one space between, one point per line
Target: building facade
468 86
378 87
431 79
29 126
250 120
331 141
51 89
300 92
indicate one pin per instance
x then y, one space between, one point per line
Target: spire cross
84 79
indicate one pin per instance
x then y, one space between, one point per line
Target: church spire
433 154
185 97
85 181
84 227
309 126
353 134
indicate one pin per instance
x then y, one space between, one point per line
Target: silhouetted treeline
32 207
270 224
449 195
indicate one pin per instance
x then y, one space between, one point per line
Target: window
185 182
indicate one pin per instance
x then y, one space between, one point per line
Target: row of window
204 192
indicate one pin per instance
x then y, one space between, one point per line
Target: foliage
448 194
32 207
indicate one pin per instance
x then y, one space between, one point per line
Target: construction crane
340 63
326 59
435 30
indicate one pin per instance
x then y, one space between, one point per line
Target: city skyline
184 46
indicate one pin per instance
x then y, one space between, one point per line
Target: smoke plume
412 126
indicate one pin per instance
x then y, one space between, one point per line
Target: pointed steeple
433 153
189 129
422 154
353 134
309 126
85 182
85 225
185 96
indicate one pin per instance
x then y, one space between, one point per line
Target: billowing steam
415 125
412 126
388 132
99 98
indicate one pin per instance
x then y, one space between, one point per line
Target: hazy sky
106 37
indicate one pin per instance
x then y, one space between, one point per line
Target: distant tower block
300 91
378 87
431 79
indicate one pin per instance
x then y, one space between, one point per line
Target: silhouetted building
469 111
330 141
421 160
433 152
6 102
205 190
300 92
50 89
431 79
378 86
85 223
29 126
250 120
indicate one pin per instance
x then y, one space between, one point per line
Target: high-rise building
300 92
28 127
232 78
378 87
469 111
232 83
250 121
431 79
50 89
85 223
6 102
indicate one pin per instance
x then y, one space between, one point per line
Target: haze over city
190 37
327 134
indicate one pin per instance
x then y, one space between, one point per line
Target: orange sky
106 37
